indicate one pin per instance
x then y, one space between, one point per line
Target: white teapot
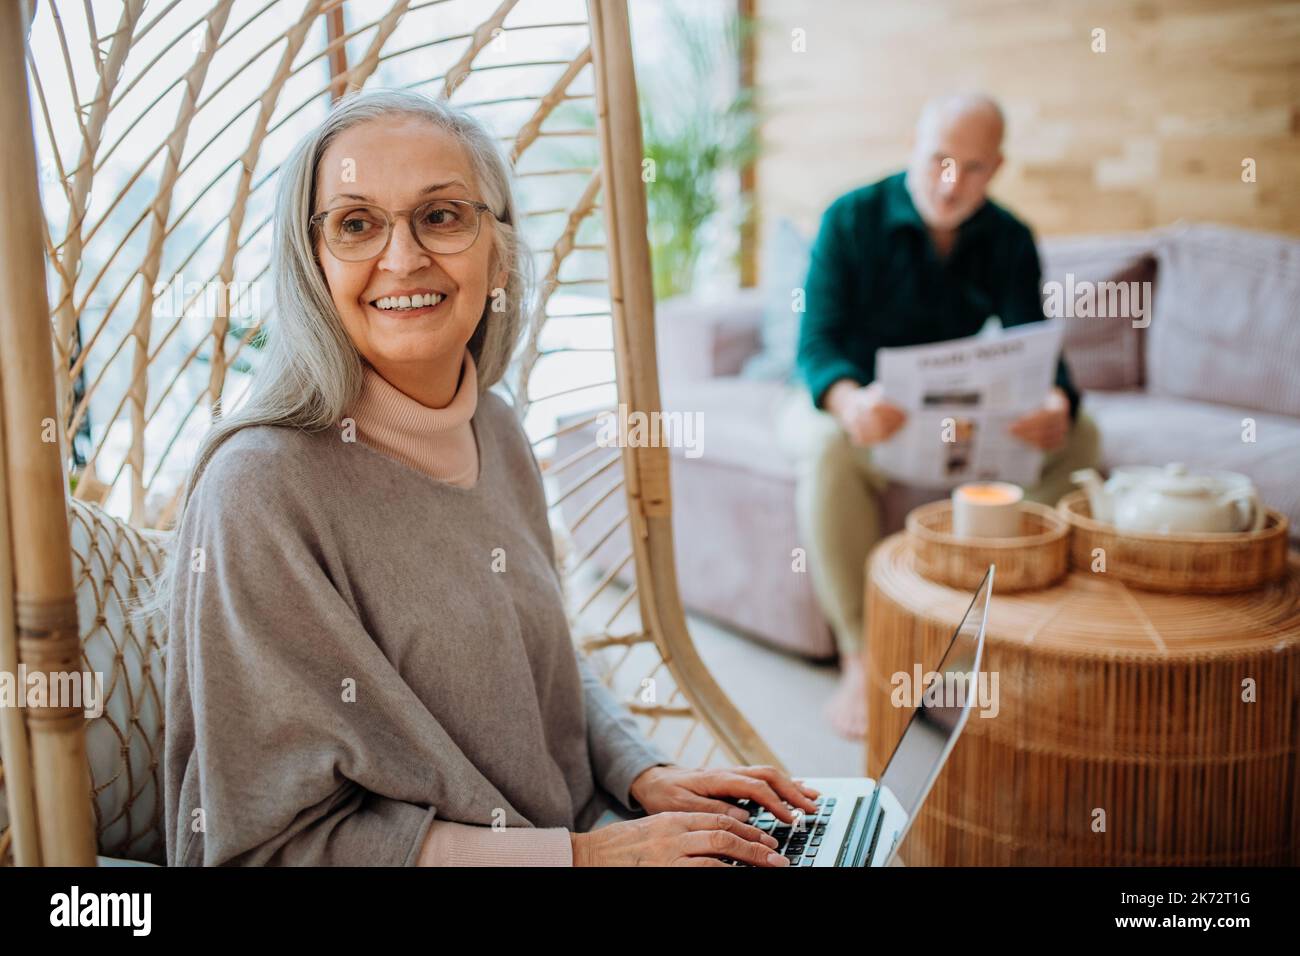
1170 501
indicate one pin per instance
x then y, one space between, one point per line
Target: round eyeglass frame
409 214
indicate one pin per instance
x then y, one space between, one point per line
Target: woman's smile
409 304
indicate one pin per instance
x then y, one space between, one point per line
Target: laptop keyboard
798 842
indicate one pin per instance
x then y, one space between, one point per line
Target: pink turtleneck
437 441
440 442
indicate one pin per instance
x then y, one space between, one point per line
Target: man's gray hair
949 106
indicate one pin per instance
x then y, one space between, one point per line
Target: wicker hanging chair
154 138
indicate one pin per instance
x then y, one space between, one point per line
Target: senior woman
369 661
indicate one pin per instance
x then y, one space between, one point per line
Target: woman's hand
674 788
676 839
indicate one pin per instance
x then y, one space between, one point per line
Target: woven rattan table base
1131 727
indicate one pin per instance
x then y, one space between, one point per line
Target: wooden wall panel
1151 131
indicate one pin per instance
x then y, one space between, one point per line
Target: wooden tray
1178 563
1038 558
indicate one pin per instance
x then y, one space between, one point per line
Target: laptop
861 823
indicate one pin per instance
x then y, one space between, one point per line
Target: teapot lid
1174 480
1136 472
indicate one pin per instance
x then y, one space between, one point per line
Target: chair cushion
1225 321
110 561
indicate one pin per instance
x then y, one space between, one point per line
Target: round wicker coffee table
1123 735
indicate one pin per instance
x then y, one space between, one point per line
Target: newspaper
960 397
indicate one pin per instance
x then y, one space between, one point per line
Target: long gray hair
310 372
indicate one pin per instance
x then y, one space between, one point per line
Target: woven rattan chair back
158 133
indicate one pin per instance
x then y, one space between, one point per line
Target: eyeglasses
441 226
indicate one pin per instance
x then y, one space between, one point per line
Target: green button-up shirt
876 281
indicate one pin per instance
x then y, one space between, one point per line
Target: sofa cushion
1226 316
1103 352
1142 429
699 338
737 417
786 255
735 533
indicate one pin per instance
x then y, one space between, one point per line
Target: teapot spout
1099 502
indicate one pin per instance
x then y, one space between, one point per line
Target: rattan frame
44 763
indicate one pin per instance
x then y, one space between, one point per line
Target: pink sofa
1223 345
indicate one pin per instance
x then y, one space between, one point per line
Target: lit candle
987 509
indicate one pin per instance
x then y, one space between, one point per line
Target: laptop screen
942 711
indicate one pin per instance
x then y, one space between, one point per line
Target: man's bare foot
847 708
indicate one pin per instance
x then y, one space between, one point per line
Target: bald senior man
921 256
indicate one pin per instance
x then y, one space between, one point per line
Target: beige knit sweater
371 665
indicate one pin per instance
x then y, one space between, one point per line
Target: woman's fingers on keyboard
724 843
741 814
777 788
720 821
812 792
761 792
